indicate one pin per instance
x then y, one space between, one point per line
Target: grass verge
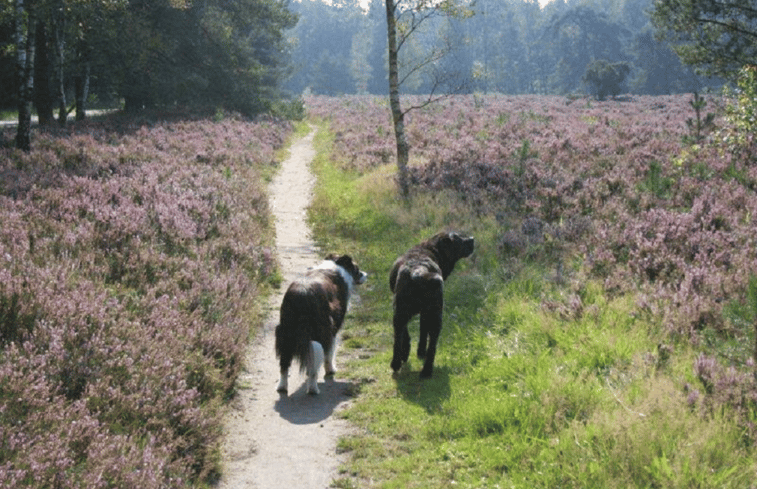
539 381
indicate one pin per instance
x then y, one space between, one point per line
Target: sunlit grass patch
656 440
542 379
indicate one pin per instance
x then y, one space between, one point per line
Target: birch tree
404 18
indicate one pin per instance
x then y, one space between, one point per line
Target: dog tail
291 342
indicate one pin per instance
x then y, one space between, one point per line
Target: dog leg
284 381
285 354
331 358
422 340
401 341
285 361
431 322
315 360
428 365
406 346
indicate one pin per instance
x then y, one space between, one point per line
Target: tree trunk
59 25
398 117
43 99
81 82
25 28
81 86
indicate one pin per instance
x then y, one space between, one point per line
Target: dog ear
345 261
439 238
447 240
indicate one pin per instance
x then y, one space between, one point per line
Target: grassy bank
543 378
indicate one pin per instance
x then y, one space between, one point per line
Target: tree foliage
216 53
657 69
238 55
506 46
151 53
405 19
606 78
332 47
583 36
741 136
718 36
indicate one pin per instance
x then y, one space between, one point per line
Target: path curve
276 441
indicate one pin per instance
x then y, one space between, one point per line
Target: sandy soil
272 440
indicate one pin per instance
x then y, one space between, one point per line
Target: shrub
741 113
701 125
131 256
605 78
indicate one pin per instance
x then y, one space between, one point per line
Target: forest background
509 47
247 55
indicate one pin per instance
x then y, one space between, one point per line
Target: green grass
538 382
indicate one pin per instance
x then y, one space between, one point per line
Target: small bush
605 78
739 136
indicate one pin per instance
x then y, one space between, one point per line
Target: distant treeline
247 55
506 46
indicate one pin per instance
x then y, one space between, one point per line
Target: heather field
602 335
617 182
132 256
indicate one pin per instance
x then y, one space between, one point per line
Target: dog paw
312 386
396 365
426 374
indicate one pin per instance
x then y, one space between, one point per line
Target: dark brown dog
417 280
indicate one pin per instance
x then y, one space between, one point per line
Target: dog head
450 247
453 245
346 263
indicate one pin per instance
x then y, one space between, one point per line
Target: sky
365 3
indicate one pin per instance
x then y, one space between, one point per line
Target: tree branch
737 6
734 28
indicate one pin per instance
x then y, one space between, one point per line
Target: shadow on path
301 408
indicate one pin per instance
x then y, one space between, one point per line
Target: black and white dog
312 313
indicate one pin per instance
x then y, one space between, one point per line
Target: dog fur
311 315
417 281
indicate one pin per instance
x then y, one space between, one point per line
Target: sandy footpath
276 441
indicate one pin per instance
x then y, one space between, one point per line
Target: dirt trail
276 441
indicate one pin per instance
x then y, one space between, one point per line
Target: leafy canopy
717 36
